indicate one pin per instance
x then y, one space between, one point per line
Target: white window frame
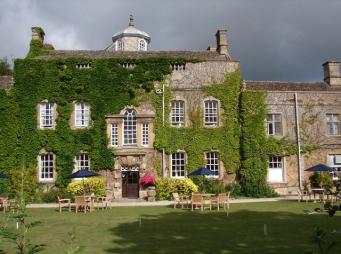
273 124
333 124
177 117
145 134
178 165
82 161
119 45
82 114
46 167
334 161
46 115
211 113
129 130
276 163
213 163
139 45
114 134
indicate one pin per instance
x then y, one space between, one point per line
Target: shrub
91 185
165 187
321 180
214 186
234 188
30 183
51 195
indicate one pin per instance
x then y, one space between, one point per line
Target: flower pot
151 193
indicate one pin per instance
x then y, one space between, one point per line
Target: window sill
46 180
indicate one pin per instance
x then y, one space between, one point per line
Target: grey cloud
273 39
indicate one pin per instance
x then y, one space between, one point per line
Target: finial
131 20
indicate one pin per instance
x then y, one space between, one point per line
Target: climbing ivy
254 166
106 86
195 139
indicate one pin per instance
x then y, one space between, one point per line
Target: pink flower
147 180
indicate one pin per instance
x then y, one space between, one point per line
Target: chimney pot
331 71
222 46
38 34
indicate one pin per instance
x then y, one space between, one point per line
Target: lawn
167 230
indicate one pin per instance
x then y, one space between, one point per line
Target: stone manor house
305 113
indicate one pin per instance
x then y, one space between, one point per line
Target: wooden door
130 184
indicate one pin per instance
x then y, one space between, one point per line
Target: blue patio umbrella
201 172
83 173
320 168
3 176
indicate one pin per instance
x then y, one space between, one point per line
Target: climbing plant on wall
195 139
106 86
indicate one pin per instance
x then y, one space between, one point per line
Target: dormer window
142 45
119 45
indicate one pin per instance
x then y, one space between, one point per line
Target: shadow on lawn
243 231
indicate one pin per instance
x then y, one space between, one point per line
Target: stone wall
312 110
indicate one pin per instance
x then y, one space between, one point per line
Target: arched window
142 45
211 112
119 45
129 128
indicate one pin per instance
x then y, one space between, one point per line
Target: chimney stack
331 71
38 34
221 37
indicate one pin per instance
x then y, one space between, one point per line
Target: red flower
147 180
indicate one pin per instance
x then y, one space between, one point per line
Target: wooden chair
105 202
64 203
222 199
4 203
13 205
81 202
197 200
178 200
303 195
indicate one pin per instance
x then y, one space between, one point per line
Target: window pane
178 113
46 115
211 113
274 124
178 165
212 162
129 128
46 167
333 124
82 114
114 134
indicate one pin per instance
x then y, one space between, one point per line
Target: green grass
167 230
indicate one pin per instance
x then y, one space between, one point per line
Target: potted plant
148 182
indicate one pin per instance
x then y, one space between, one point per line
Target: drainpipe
164 173
298 140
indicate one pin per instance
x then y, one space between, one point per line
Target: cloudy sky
273 39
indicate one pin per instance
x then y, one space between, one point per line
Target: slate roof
288 86
6 82
206 55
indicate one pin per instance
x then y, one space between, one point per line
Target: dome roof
131 31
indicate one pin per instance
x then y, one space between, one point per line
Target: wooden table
320 192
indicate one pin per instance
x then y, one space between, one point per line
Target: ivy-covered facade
126 111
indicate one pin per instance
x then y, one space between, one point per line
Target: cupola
130 39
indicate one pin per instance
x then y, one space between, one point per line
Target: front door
130 182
